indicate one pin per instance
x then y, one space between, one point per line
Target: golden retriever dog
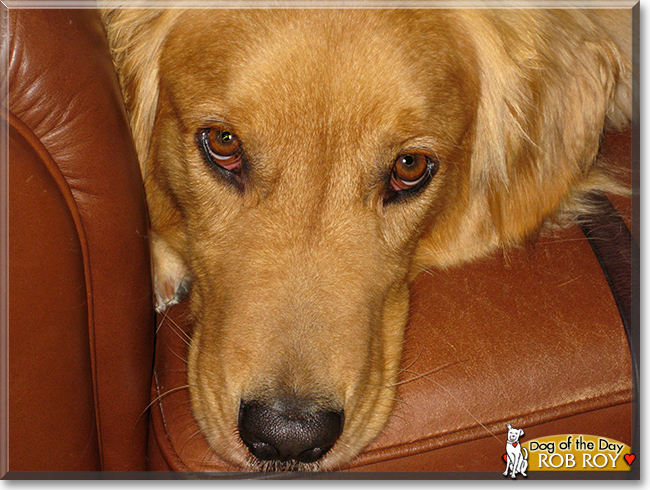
302 166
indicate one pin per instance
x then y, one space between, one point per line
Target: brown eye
410 170
223 148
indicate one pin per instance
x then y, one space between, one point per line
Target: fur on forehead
328 69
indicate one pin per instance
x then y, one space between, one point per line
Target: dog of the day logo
578 452
516 456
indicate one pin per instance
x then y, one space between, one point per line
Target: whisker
396 399
464 408
426 270
177 329
180 329
178 356
176 371
425 374
459 249
562 240
413 362
158 398
206 455
162 395
192 436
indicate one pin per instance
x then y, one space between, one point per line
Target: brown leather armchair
534 337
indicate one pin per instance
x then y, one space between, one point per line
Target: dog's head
302 166
514 434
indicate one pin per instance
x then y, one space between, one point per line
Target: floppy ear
136 37
550 82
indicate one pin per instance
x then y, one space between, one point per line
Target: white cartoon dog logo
515 460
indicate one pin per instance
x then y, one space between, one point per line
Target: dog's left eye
223 148
410 171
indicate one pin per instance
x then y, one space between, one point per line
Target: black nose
288 429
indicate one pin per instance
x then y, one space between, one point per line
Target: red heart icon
505 458
514 444
629 458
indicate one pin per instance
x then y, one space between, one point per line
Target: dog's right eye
222 148
410 174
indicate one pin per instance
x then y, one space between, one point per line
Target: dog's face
514 434
300 253
300 244
300 168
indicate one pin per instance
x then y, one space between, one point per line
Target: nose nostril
311 455
288 430
264 451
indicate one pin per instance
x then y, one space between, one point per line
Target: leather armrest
81 320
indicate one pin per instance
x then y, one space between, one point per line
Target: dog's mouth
293 433
292 418
284 466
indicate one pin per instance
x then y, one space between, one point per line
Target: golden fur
299 277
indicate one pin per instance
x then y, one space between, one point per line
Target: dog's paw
170 292
171 278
